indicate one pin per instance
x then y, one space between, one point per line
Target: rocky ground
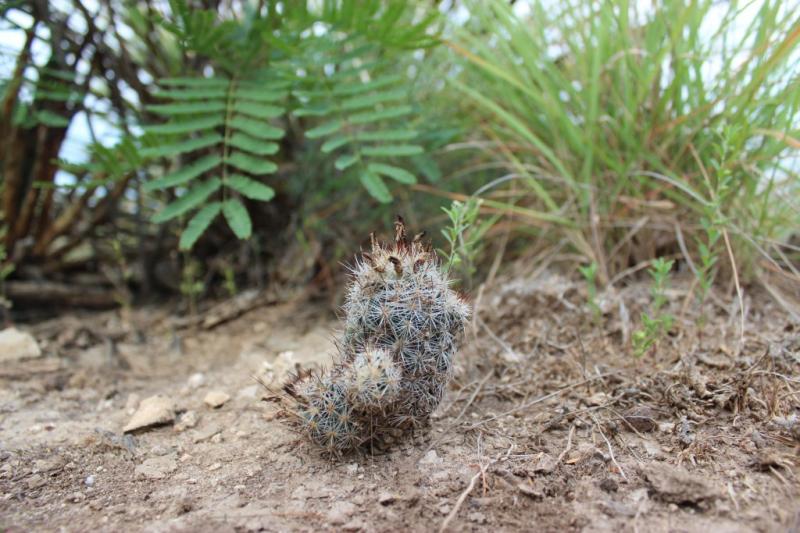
141 421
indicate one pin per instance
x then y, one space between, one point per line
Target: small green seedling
656 323
706 271
230 280
589 273
464 237
191 284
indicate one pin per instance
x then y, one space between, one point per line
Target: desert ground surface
551 424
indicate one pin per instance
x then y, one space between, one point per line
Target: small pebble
89 481
196 380
186 421
216 399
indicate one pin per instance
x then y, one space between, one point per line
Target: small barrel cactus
395 357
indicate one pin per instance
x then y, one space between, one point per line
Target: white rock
156 467
248 393
197 380
431 458
216 398
340 512
89 481
154 410
132 403
186 421
16 345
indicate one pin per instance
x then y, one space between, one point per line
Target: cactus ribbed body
402 324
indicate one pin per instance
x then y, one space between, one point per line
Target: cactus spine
395 356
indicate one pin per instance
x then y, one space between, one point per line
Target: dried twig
463 497
569 444
610 449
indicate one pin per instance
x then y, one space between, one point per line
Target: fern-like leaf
355 119
222 127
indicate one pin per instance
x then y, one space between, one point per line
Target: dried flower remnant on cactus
395 357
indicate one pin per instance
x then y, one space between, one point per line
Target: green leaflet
259 95
376 187
397 174
185 174
54 120
256 128
189 145
238 219
250 188
204 83
191 199
345 161
258 110
359 88
253 165
374 116
186 126
313 111
187 108
198 225
334 143
360 102
193 94
65 95
253 145
427 167
325 129
387 135
396 150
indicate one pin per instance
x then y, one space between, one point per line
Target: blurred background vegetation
153 149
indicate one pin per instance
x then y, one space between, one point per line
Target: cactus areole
402 327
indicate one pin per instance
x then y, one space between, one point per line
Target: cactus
402 324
